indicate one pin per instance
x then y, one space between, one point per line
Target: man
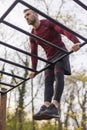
52 33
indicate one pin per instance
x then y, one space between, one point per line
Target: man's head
30 16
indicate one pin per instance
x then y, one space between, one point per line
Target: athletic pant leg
49 81
61 68
59 85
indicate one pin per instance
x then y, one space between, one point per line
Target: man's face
30 17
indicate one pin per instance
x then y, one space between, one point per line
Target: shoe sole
41 117
48 116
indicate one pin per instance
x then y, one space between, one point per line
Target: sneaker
38 116
51 112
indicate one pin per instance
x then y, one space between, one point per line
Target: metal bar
15 64
24 52
61 57
32 35
5 73
8 10
81 4
53 20
10 85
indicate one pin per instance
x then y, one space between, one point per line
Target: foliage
13 124
48 126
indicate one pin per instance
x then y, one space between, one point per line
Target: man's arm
34 60
74 39
70 36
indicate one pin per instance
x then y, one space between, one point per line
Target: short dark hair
26 10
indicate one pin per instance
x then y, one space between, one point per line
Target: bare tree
79 116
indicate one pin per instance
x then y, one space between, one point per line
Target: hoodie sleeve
69 35
34 51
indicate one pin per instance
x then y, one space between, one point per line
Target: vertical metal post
3 98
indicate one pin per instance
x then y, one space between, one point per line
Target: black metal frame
81 4
36 37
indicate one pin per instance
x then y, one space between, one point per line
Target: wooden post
3 98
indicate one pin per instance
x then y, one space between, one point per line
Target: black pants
56 73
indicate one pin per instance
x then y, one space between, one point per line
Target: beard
32 22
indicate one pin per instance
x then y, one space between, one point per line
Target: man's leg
53 111
48 93
61 67
59 86
49 90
